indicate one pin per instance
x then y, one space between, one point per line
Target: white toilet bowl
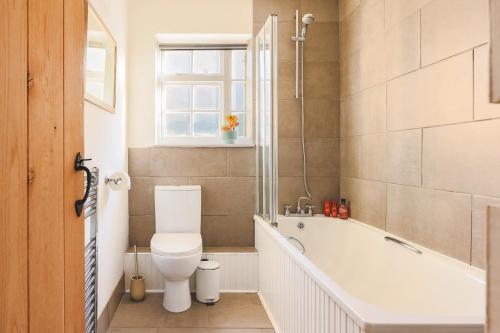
176 255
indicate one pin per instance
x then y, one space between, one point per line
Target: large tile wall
227 179
419 139
321 90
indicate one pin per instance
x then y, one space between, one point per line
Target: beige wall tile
323 10
367 200
436 95
289 118
141 195
404 152
321 188
321 80
483 109
188 162
141 230
322 157
479 220
435 219
232 230
321 118
463 158
138 162
226 195
403 46
397 10
373 60
350 33
290 158
364 112
286 48
364 157
241 162
286 79
284 8
347 7
452 26
493 273
322 42
350 73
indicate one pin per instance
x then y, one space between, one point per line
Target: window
197 87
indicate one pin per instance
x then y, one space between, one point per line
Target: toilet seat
176 244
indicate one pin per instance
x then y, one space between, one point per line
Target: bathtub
351 280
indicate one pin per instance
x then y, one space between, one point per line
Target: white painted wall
106 144
148 18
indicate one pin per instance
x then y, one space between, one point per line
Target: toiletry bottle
335 209
327 207
343 209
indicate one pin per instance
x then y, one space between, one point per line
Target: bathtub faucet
299 212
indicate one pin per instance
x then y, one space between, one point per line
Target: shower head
306 20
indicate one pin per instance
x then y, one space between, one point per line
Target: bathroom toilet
176 247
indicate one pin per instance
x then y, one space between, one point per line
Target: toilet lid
176 244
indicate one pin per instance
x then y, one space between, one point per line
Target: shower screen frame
266 107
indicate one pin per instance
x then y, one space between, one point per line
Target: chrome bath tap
299 212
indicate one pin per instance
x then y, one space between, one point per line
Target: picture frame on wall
100 64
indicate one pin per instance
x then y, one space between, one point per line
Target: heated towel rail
90 210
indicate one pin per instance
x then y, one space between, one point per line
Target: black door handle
79 160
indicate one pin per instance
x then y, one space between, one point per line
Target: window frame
225 80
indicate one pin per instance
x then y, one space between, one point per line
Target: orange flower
231 122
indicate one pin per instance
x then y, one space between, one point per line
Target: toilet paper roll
119 180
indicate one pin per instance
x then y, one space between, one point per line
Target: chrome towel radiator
90 209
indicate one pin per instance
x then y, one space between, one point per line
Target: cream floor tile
234 313
248 316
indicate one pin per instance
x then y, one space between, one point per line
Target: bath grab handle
303 250
400 242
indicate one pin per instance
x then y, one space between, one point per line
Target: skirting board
238 271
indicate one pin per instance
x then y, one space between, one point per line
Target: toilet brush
137 284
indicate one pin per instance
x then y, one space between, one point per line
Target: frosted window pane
177 62
206 97
238 96
178 97
205 123
206 62
242 120
238 64
177 124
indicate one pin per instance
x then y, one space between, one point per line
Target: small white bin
207 282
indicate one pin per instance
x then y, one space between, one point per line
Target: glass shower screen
266 72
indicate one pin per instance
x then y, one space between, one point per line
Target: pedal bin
207 282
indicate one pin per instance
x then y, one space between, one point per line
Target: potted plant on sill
230 133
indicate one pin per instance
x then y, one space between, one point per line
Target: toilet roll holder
116 180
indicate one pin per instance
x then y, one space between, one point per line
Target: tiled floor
234 313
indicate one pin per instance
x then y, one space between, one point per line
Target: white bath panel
238 271
294 301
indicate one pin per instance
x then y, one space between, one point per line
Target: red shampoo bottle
343 209
327 207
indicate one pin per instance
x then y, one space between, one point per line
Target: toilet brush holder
137 283
137 287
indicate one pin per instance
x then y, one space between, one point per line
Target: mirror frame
89 98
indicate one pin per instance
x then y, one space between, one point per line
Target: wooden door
41 132
13 167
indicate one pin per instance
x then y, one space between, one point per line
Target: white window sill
221 145
200 144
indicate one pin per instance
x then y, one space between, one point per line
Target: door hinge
29 80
